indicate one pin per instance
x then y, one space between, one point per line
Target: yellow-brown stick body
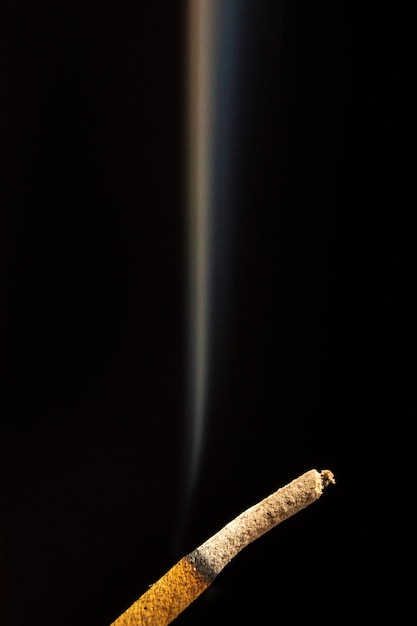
167 598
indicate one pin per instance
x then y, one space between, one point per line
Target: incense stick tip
327 478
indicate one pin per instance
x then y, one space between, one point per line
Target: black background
93 320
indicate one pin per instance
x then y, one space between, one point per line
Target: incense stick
186 580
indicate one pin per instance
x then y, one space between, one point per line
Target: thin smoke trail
200 112
211 60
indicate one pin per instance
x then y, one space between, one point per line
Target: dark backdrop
93 320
